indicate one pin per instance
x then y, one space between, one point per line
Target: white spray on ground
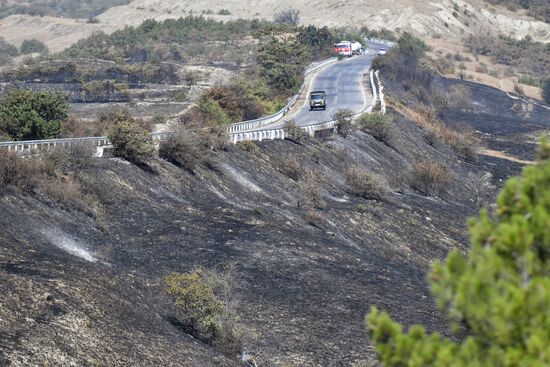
66 243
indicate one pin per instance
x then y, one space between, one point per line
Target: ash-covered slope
86 291
89 293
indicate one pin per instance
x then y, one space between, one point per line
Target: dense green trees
282 62
319 41
33 46
26 115
7 51
497 297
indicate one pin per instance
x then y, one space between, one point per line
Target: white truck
347 48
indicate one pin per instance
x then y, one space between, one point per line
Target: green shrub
344 120
365 184
495 296
33 46
27 115
205 301
195 299
377 125
224 12
131 142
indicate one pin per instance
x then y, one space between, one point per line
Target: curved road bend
342 81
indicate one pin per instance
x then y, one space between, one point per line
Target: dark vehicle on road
317 99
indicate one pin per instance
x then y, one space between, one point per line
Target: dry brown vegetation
289 166
294 132
430 178
184 149
77 128
309 194
365 184
465 141
55 178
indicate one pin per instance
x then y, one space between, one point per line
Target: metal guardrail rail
279 133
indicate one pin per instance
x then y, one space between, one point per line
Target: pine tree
498 296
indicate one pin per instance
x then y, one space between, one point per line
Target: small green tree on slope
499 295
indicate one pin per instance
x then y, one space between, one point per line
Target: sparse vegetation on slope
67 8
525 55
538 9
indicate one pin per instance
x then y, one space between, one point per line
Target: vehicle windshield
316 97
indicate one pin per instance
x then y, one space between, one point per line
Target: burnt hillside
86 290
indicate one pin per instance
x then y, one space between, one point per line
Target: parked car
381 51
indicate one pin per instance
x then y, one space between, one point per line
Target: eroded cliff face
82 290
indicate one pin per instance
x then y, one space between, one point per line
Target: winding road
343 83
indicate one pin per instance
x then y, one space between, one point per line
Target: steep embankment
89 291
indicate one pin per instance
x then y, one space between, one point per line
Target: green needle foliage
26 115
498 296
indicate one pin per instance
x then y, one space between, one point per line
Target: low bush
32 46
309 194
289 166
72 159
344 122
131 142
365 184
248 146
24 174
47 181
377 125
464 142
457 96
289 16
294 132
68 192
206 304
184 149
430 178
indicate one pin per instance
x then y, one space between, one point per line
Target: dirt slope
426 18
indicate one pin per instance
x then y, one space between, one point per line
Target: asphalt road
342 81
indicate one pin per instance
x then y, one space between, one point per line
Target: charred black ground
305 284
